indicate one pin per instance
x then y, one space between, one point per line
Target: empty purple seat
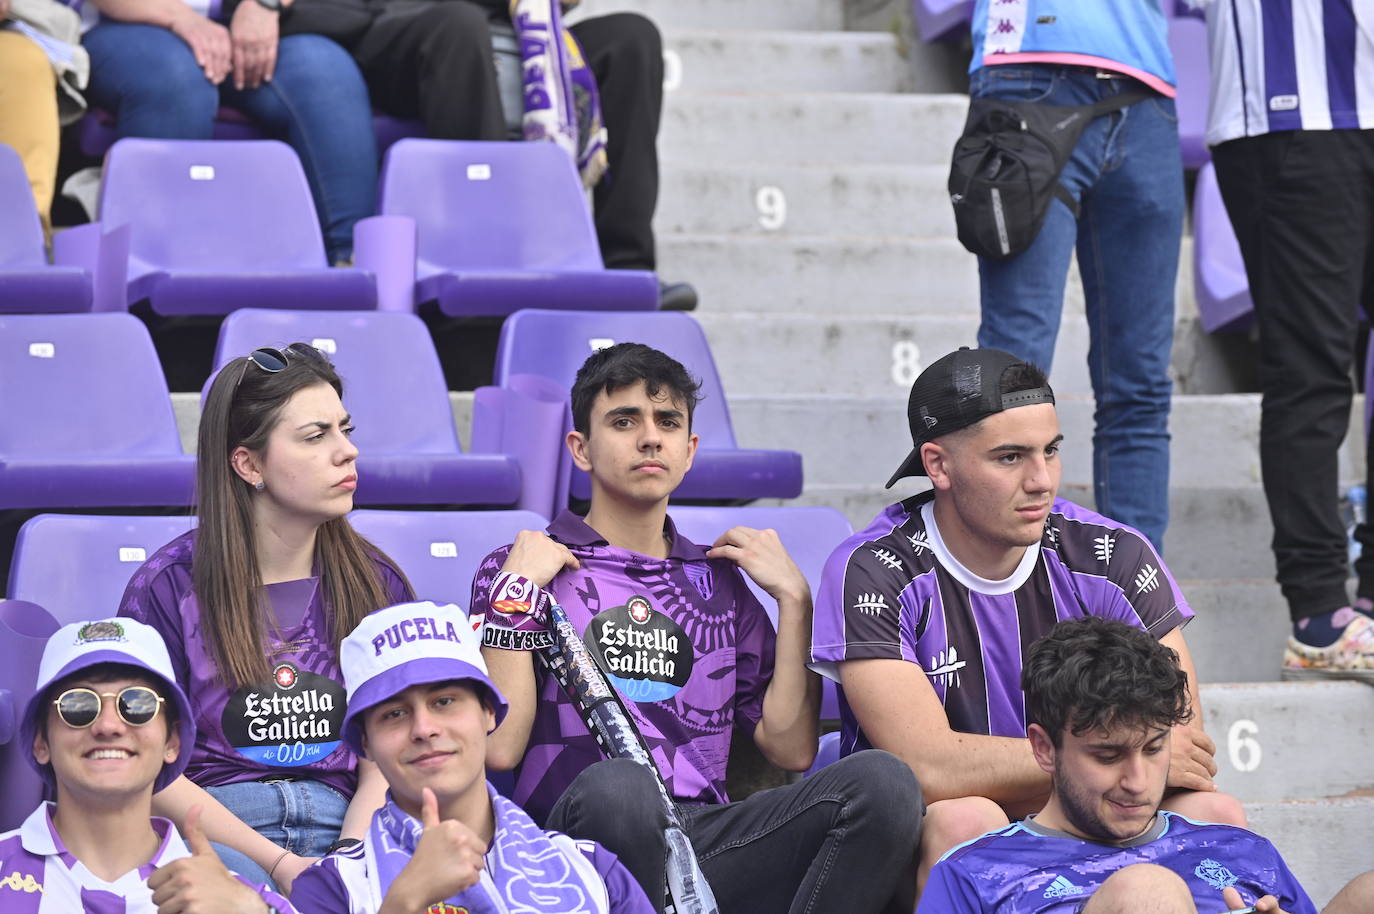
24 631
1188 43
810 534
937 18
87 420
27 283
395 391
1219 280
503 226
827 753
219 225
440 550
554 344
107 549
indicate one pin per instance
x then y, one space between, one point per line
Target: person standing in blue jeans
1127 176
164 67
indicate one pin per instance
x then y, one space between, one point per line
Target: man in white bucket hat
106 728
421 705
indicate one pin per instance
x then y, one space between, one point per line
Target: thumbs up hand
200 883
448 859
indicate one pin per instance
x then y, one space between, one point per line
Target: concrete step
1280 741
1214 532
1240 628
1325 842
1204 427
772 201
810 128
672 15
791 61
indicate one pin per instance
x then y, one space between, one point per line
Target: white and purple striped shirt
1289 65
38 875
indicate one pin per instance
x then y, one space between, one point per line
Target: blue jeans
1127 176
304 817
317 102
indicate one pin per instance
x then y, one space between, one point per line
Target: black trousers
1302 203
843 839
432 59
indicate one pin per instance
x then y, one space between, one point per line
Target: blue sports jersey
1027 868
1130 36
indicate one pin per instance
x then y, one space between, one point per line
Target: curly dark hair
623 365
1091 673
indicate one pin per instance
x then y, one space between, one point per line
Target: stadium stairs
804 150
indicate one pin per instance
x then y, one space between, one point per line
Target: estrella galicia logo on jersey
294 719
1061 887
1215 874
646 655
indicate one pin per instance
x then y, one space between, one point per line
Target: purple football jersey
1027 868
893 590
289 725
683 639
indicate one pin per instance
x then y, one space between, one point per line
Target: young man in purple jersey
694 657
923 617
421 707
106 728
1105 700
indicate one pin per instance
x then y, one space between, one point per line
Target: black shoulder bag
1006 167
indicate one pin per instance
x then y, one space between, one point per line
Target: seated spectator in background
694 657
433 59
164 67
924 615
253 604
42 70
1103 701
106 728
421 707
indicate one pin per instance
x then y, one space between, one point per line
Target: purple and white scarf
528 871
561 101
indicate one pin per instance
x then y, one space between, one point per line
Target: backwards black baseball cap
959 390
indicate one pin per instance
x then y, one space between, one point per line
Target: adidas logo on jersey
1062 888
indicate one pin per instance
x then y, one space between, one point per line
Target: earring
259 485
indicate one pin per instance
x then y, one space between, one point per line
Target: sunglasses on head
136 706
274 360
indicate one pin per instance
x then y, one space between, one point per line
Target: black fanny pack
1006 166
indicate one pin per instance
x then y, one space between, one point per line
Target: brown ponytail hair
241 409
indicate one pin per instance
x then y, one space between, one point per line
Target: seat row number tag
479 172
42 350
202 172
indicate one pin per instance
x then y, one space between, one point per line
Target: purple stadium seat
1222 289
937 18
828 753
87 420
395 391
503 226
220 225
98 129
24 631
440 550
809 533
108 550
554 344
27 283
1188 43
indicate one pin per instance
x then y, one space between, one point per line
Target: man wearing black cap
923 616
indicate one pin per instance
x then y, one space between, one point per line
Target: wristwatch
273 5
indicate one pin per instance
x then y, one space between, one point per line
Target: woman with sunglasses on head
253 605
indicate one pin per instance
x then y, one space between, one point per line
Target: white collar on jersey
962 574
